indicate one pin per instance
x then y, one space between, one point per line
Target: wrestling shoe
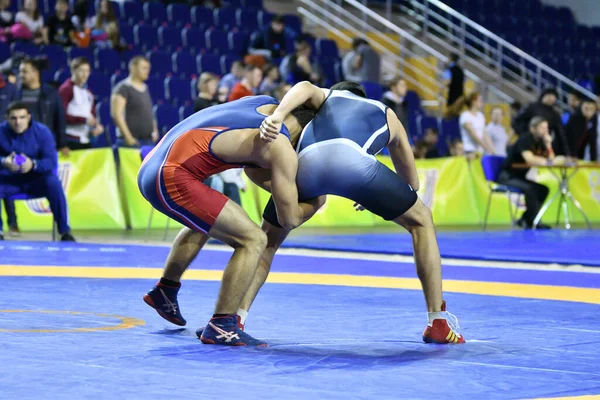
225 331
163 299
443 330
239 325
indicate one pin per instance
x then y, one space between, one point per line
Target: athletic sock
168 282
243 314
434 315
221 315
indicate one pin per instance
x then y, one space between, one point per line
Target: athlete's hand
270 127
358 207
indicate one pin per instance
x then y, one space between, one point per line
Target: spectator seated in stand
207 91
100 22
420 150
544 108
456 148
7 18
60 27
362 63
270 43
231 79
80 109
431 138
270 82
248 85
299 66
30 23
574 102
29 160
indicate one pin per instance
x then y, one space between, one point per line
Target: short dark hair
304 115
278 19
454 57
353 87
455 141
136 60
39 63
17 105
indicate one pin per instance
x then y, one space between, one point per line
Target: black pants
535 194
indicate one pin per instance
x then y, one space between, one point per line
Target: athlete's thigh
386 194
233 226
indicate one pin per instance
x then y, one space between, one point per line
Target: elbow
290 223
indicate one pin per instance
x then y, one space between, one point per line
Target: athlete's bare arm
284 166
401 152
301 93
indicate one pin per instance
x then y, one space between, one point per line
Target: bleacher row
548 33
181 43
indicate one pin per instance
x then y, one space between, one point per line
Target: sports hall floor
343 315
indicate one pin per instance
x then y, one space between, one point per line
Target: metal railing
520 71
358 19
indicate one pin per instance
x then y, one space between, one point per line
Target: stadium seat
247 19
264 19
49 74
145 36
56 55
256 4
202 17
155 13
328 66
224 17
24 47
374 90
413 102
103 112
4 51
127 33
193 40
170 38
178 90
62 75
226 61
208 63
450 129
99 85
166 116
156 86
160 62
108 61
238 42
184 64
179 14
185 111
293 22
116 78
132 12
326 48
216 41
47 7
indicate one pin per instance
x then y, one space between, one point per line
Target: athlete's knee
418 216
255 240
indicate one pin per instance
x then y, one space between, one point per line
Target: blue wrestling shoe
163 299
225 331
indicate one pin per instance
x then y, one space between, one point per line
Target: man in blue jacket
29 159
8 94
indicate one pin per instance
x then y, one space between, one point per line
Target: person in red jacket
79 105
248 85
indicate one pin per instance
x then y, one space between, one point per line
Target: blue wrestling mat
554 246
73 326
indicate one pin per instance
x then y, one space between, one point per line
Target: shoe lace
452 321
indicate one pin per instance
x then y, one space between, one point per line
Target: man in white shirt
497 133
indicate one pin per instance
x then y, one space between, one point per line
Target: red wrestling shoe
443 330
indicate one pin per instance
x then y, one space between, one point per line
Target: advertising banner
89 180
